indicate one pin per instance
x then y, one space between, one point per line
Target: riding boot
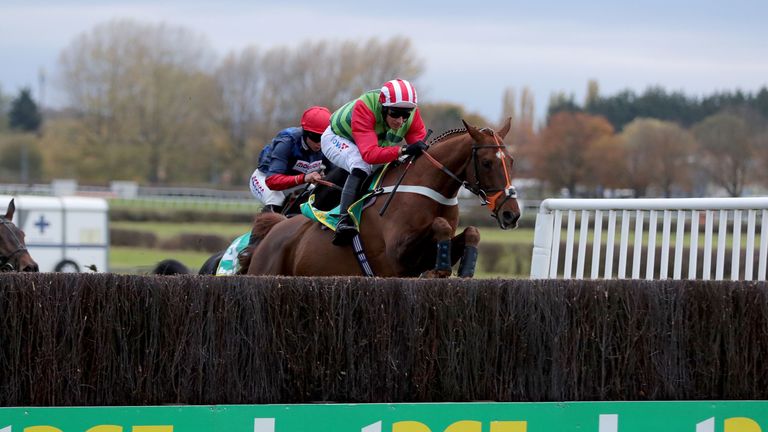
346 229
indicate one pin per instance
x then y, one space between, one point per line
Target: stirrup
345 231
344 237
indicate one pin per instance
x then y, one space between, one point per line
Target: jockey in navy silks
376 128
291 160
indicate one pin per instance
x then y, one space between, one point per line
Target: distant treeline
657 103
105 339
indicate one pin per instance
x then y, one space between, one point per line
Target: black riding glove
415 149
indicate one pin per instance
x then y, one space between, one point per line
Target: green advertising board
699 416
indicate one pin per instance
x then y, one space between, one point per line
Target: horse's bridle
508 192
6 264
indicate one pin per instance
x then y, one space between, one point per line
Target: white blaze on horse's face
500 154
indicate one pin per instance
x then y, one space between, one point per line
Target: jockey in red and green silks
341 124
374 129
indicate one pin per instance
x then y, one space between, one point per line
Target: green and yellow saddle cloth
331 217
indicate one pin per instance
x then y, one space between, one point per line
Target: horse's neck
454 153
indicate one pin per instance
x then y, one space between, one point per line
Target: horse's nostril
510 218
31 268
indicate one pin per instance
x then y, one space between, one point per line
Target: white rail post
542 246
597 244
707 271
693 250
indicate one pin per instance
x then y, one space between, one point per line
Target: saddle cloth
331 217
229 265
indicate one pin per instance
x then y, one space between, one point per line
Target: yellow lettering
741 424
106 428
509 426
163 428
465 426
41 429
410 426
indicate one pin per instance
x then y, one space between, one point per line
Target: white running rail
693 218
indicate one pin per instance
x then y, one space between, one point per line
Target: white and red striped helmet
398 93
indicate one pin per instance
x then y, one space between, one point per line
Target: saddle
330 218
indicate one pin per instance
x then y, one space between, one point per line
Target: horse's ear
507 125
473 131
11 209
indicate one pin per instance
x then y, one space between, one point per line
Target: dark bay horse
417 232
14 255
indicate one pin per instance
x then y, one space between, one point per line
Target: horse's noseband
499 196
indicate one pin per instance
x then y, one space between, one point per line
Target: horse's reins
306 189
329 184
400 180
509 191
5 261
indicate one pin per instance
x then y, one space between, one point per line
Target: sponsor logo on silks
307 167
341 145
256 184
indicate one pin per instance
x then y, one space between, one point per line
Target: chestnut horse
14 255
416 233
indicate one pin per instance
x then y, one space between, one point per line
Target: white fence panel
733 247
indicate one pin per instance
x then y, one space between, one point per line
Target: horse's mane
447 134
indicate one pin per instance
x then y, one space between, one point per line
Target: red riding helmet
398 93
316 119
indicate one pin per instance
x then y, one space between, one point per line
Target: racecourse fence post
640 253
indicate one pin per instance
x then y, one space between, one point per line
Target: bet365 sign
684 416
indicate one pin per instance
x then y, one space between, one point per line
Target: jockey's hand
415 149
312 177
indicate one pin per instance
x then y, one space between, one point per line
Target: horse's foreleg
441 231
469 239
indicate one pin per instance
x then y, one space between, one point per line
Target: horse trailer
64 234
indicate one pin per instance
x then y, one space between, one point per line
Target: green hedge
172 215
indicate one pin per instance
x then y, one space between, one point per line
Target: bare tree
657 153
606 157
562 157
522 137
142 92
727 150
241 83
265 91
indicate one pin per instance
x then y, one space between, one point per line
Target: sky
472 51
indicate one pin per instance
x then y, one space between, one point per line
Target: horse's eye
486 163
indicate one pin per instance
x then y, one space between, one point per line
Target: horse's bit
5 260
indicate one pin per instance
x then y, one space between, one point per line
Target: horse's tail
262 224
